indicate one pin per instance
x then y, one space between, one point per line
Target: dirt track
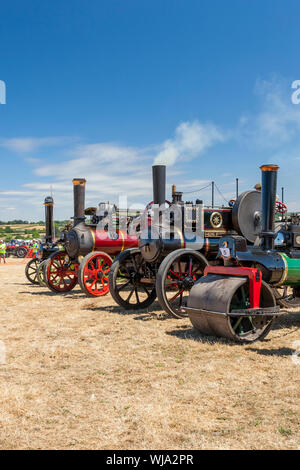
79 373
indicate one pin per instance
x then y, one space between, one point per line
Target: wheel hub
134 277
188 282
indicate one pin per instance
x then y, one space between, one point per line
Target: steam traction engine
87 254
33 268
168 263
237 299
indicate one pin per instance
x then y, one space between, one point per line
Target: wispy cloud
112 169
190 140
277 121
31 144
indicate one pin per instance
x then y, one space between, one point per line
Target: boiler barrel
84 239
155 242
113 243
291 272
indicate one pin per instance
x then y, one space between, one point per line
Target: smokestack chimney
49 203
79 200
268 201
159 184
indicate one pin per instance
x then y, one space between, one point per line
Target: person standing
35 249
2 251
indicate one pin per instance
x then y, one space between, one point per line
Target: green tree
35 234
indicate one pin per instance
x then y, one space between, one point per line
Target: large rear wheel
131 281
93 274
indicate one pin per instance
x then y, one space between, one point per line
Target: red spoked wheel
281 207
93 274
60 273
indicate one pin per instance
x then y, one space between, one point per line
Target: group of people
35 250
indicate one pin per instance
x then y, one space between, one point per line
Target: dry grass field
81 373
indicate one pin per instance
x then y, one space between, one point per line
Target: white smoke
190 140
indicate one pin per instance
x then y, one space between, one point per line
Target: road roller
87 252
34 268
240 297
172 256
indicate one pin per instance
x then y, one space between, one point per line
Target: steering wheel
281 207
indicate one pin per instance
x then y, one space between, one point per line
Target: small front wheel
60 273
131 281
176 276
93 274
40 274
31 271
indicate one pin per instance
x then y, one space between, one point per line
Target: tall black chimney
79 200
268 201
49 203
159 184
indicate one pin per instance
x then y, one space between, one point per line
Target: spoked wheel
249 329
21 252
31 271
287 297
218 306
93 274
40 274
60 273
131 281
176 276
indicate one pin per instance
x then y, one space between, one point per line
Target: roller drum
212 299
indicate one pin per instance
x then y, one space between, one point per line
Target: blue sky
102 89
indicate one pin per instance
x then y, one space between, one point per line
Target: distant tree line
9 231
15 222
